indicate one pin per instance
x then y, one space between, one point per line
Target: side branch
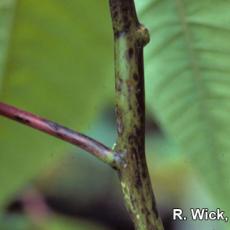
88 144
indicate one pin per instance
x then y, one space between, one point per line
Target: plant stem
88 144
130 38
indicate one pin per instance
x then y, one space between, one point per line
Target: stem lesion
125 21
130 37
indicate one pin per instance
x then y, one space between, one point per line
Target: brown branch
130 37
88 144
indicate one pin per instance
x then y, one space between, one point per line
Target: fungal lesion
122 16
21 119
130 39
130 53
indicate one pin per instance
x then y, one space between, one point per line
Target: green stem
130 38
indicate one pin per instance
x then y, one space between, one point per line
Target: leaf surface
55 60
188 82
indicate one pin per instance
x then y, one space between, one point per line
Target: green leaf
55 60
188 84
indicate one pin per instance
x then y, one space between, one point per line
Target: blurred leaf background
56 60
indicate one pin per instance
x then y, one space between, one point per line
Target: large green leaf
55 60
188 78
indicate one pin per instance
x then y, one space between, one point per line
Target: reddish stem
88 144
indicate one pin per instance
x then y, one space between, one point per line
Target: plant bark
130 37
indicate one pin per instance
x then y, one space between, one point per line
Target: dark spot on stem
53 126
154 208
118 34
59 135
120 127
130 52
133 199
21 119
138 182
115 13
125 19
132 139
144 174
135 77
119 83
